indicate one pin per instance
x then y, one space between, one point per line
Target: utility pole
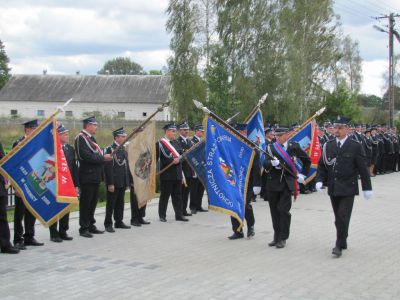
391 32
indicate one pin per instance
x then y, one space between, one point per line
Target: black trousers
115 206
63 226
248 215
4 228
196 194
185 193
137 214
87 206
342 207
171 188
23 214
280 204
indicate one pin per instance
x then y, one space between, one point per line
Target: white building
130 97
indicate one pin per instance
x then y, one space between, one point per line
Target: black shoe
66 237
193 211
202 210
10 250
56 239
96 231
122 226
183 219
337 251
33 242
250 232
163 219
20 245
137 224
110 229
144 222
273 243
236 236
280 244
86 234
186 214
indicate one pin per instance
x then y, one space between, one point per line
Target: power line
364 7
350 11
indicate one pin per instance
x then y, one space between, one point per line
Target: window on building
14 112
144 114
121 114
69 113
40 113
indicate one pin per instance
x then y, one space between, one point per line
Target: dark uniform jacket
90 159
278 178
165 156
69 153
116 171
195 139
341 176
185 146
255 174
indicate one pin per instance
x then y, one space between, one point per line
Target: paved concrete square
195 260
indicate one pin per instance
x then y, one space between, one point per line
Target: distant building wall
37 109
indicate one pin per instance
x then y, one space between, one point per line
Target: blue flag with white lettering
228 163
255 132
33 169
196 158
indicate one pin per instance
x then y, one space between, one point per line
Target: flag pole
317 114
139 128
250 143
259 103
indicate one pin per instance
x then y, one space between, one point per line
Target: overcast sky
63 36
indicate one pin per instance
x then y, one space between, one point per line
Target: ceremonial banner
38 171
228 164
307 137
142 164
196 158
255 132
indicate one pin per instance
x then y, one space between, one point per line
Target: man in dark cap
90 172
185 144
5 244
169 153
269 139
22 239
281 182
60 234
253 189
117 181
197 187
342 160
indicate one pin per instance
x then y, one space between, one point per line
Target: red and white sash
171 148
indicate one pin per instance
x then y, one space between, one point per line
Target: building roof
152 89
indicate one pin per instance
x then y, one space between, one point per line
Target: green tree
155 72
121 66
4 69
369 100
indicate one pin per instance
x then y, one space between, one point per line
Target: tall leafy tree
121 66
4 69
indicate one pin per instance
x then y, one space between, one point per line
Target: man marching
281 183
169 152
342 160
60 235
91 161
117 181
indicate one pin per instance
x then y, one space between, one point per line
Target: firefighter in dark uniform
60 234
197 187
375 151
168 153
117 181
22 239
269 139
185 144
5 244
253 188
341 162
90 174
281 183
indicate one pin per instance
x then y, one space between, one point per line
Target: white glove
301 178
256 190
368 194
275 162
318 186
